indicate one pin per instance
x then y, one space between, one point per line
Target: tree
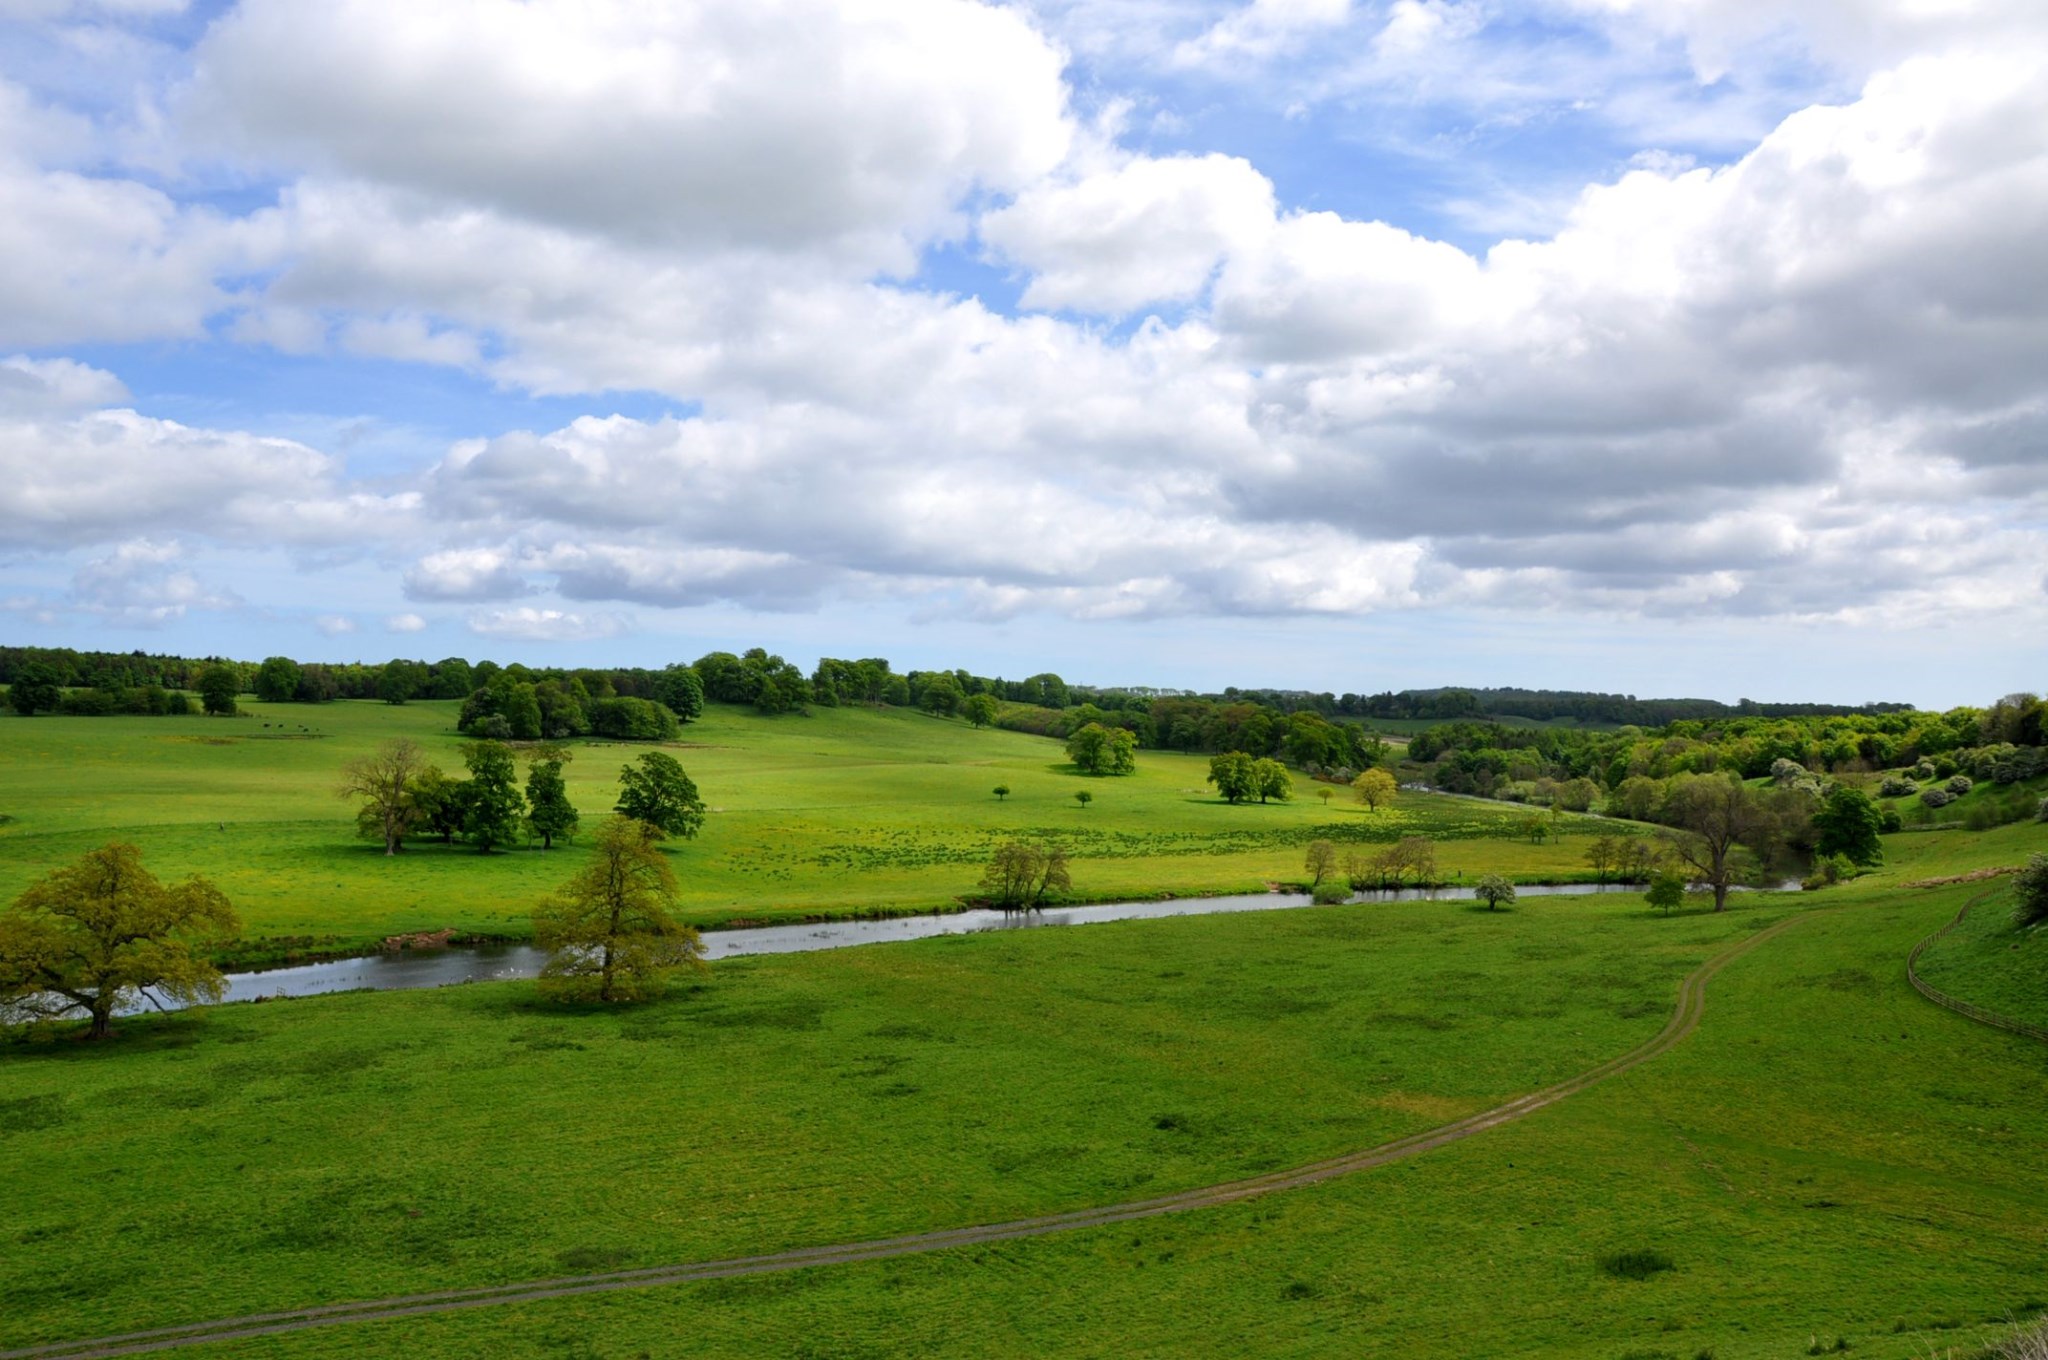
1667 890
1231 773
609 927
1002 791
1714 814
401 680
1321 860
1536 828
1494 890
438 800
384 781
2030 892
980 709
1849 823
1375 789
940 695
549 813
1084 798
35 689
1099 750
1020 875
95 935
277 680
683 693
1272 780
660 796
491 805
1604 855
218 686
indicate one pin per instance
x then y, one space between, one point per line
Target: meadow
1829 1164
848 811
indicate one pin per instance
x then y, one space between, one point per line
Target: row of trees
402 794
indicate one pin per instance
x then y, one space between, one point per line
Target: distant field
1828 1158
846 811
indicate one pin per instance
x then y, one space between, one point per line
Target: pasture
846 812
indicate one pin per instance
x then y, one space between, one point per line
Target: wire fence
1964 1008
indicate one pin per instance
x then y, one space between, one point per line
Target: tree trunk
102 1017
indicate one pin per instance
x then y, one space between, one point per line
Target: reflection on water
439 967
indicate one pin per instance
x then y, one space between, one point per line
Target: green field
1829 1164
847 811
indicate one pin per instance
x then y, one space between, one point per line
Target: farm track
1684 1020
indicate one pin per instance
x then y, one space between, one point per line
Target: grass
1990 962
1828 1157
371 1143
848 812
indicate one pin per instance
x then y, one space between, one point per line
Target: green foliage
92 936
549 813
1020 875
611 929
2030 892
491 805
1320 862
1100 750
632 720
980 709
1001 792
1375 789
661 795
35 689
1233 775
1666 891
683 692
1083 797
385 782
1330 892
1849 824
1493 889
1271 780
277 680
1635 1265
218 686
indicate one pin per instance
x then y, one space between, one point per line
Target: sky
1667 347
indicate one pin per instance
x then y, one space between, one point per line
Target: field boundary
1961 1007
1685 1018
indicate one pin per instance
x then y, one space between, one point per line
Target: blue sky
1686 347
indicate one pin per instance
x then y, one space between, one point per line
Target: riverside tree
1319 863
97 934
1494 890
658 795
610 928
385 781
1848 823
1020 875
1714 815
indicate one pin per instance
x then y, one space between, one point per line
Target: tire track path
1684 1020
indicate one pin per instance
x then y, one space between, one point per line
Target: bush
1635 1265
1937 797
1924 770
1960 785
1331 892
633 720
2030 892
2041 812
1896 786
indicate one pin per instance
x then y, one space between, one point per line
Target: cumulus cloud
786 124
140 584
527 624
334 625
405 623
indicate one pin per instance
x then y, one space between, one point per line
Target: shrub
1960 785
1330 892
2041 812
1924 770
2030 892
1936 797
1635 1265
1896 786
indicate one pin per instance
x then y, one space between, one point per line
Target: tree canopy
659 795
609 928
98 934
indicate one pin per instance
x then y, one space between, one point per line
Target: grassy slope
849 810
1990 962
1828 1157
795 1099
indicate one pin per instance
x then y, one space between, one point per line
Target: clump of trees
97 935
2030 892
1391 866
611 929
1100 750
1020 876
1238 776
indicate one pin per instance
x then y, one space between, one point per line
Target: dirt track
1685 1018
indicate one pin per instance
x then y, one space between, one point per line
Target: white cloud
528 624
334 625
405 623
784 125
140 585
1262 30
466 574
1150 230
